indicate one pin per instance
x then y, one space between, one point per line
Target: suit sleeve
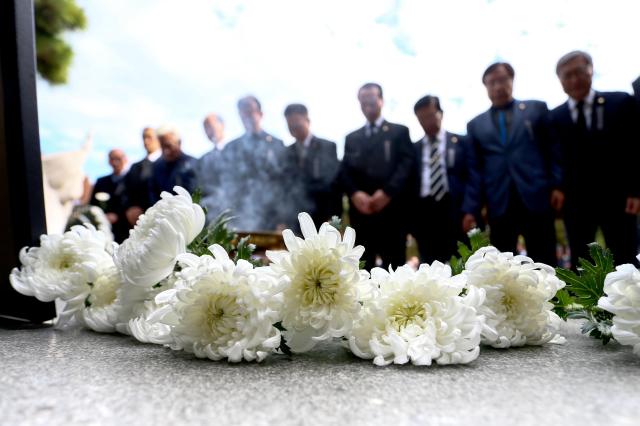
473 189
552 148
401 177
346 180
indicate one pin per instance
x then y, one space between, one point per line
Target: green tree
53 54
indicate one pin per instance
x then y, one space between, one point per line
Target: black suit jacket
384 161
312 180
636 91
602 165
181 172
137 184
115 204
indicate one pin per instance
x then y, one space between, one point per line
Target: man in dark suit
376 174
440 184
137 180
598 133
110 195
514 168
312 165
173 168
256 181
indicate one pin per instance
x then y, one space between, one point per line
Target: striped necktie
437 176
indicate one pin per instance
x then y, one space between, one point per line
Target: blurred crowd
520 170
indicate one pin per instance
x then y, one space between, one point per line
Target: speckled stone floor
51 377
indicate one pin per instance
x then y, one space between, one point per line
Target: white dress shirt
154 155
441 137
587 108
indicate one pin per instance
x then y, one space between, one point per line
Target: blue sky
150 62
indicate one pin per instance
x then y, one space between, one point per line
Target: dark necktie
437 178
581 122
502 126
373 129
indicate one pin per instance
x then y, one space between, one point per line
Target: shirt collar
588 100
440 137
504 107
378 122
154 155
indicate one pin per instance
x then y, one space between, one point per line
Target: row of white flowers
151 288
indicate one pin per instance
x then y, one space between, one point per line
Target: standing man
257 180
109 194
376 174
515 168
210 169
442 171
312 166
598 133
137 180
173 168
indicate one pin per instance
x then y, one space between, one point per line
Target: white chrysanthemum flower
517 306
63 265
219 309
622 289
324 285
100 311
161 234
139 306
419 317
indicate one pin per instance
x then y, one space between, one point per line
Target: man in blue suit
598 134
514 167
440 184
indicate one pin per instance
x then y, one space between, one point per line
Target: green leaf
587 285
284 348
563 302
477 240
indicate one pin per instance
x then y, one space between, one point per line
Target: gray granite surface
51 377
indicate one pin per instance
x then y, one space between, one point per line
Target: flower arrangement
176 283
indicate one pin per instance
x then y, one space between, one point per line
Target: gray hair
165 129
565 59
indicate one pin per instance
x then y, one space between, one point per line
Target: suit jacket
636 90
115 204
600 164
528 162
137 184
384 161
312 180
167 175
456 165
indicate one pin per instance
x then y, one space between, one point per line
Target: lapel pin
454 139
385 128
600 100
522 106
269 138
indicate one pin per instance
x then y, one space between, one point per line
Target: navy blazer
529 161
456 163
604 163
